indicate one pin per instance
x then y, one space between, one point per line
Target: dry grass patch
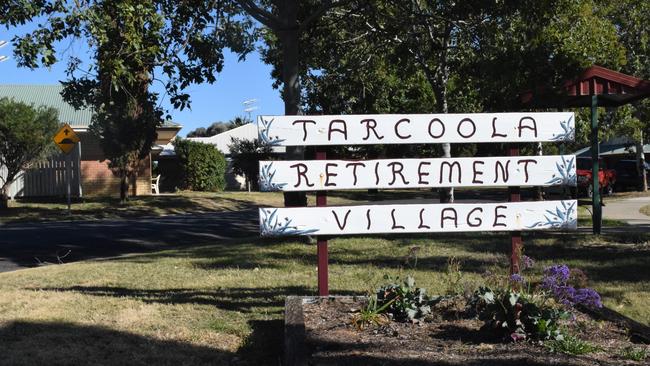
223 302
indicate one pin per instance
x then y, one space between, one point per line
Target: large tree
286 21
632 18
133 44
25 134
449 56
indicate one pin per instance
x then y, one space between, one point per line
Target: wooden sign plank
418 218
319 175
415 128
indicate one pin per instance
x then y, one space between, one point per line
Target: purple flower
527 262
556 280
588 297
516 278
560 273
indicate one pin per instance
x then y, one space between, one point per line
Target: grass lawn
98 208
186 202
221 303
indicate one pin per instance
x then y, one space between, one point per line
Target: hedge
202 166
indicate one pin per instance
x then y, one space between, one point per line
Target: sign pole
68 170
66 139
321 241
515 237
596 206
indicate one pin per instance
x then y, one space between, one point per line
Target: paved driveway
24 245
627 210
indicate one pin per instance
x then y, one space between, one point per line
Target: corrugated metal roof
612 149
50 96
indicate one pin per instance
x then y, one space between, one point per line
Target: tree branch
261 15
327 5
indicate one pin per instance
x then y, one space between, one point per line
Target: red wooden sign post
516 243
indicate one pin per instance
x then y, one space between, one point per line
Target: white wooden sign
419 218
415 128
312 175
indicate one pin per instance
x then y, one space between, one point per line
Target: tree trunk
124 187
446 194
4 190
4 196
640 157
289 37
540 190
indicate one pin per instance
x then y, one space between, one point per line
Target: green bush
202 166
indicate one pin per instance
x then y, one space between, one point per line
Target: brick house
90 172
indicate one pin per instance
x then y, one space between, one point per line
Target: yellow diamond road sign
66 138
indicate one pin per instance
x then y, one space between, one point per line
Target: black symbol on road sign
66 141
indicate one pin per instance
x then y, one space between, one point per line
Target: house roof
223 140
612 88
50 96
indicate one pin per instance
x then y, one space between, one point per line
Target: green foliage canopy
133 44
25 135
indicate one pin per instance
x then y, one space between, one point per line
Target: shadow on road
28 245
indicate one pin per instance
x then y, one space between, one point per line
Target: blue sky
221 101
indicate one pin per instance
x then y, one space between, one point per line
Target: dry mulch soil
449 337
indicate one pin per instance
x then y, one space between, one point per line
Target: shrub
406 302
202 166
509 305
246 155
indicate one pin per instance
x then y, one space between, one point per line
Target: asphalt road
28 244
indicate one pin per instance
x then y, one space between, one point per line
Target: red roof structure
612 88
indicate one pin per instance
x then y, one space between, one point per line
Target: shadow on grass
33 343
99 208
246 300
263 346
621 257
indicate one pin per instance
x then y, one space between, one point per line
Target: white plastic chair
155 185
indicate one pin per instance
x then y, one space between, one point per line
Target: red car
606 177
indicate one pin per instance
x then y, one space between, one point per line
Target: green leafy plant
571 345
405 301
634 354
371 314
518 315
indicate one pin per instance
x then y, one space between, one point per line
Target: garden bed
448 336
